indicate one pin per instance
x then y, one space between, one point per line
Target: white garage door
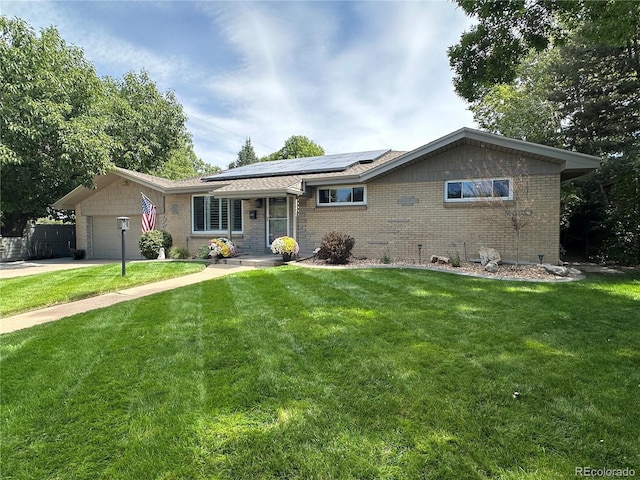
107 239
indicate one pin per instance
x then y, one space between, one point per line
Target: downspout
296 209
295 218
230 217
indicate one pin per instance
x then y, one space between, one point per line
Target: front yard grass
21 294
306 373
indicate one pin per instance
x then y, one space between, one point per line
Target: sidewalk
49 314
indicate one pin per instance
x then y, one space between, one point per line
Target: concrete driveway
31 267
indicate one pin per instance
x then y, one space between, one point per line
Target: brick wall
118 199
404 208
121 198
407 208
178 222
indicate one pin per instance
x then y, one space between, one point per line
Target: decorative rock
439 259
489 255
556 270
491 266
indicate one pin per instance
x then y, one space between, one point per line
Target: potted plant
221 248
285 246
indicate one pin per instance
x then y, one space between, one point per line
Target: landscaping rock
439 259
489 255
556 270
492 266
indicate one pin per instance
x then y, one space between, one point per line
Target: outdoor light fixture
123 226
540 256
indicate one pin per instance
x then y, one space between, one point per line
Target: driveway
31 267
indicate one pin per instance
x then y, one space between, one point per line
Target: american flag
148 214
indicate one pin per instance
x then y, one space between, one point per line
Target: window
210 214
342 196
475 190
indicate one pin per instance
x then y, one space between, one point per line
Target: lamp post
123 226
419 253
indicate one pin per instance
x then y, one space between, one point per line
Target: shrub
152 241
179 253
336 248
79 254
454 259
386 256
203 252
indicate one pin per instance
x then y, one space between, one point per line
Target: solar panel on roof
322 164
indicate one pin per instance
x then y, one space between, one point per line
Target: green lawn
20 294
318 374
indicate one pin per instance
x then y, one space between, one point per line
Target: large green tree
570 80
61 125
491 52
53 132
523 109
147 126
296 146
184 163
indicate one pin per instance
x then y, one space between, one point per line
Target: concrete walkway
49 314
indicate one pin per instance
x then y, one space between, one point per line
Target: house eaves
162 185
81 193
573 163
258 187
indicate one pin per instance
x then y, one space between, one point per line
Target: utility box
123 223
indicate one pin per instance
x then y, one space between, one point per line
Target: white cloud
350 75
387 86
112 55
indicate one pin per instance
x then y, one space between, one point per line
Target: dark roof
289 176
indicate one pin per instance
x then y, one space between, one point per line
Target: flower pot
286 257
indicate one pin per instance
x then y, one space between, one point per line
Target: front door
277 218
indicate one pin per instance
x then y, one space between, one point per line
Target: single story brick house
447 196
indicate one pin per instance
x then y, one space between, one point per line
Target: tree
53 134
296 146
596 90
61 125
146 126
506 32
570 79
183 163
523 109
246 155
519 211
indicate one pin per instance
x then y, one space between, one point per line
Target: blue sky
351 76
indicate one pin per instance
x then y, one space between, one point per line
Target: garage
107 239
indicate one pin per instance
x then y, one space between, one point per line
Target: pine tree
246 155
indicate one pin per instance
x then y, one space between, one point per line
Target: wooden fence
39 241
